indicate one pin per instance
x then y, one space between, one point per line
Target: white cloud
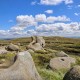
42 25
55 2
68 1
77 14
78 5
40 18
49 11
25 20
58 18
2 32
57 27
17 28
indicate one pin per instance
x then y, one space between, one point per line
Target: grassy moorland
42 58
69 45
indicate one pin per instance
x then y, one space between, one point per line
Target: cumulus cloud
40 24
25 20
40 18
55 2
51 19
69 27
49 11
58 18
2 32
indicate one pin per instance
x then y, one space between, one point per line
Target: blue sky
20 18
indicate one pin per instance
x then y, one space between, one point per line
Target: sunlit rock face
22 69
61 63
37 43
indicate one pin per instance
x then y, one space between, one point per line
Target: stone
12 47
61 54
37 43
3 51
22 69
73 74
40 40
61 63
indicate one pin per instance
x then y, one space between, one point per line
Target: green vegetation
8 56
50 75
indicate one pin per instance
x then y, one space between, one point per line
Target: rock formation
73 74
61 63
22 69
61 54
3 51
37 43
40 40
12 47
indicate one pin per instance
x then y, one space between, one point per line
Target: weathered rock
12 47
22 69
61 63
3 51
73 74
37 43
40 40
61 54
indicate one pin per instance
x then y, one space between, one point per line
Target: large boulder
61 54
12 47
73 74
37 43
22 69
61 63
3 51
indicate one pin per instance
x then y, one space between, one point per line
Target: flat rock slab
61 63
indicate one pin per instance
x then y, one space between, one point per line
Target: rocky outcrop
61 54
61 63
12 47
37 43
40 40
73 74
22 69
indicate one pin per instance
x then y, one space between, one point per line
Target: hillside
42 58
69 45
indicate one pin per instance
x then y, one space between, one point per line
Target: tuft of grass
77 59
7 56
42 58
50 75
41 51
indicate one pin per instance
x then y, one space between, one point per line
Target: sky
22 18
